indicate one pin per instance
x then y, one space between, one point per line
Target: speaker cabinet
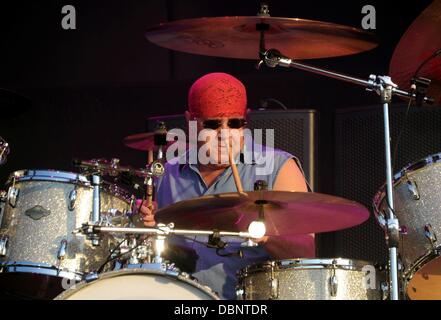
360 167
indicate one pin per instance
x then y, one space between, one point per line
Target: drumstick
150 157
234 169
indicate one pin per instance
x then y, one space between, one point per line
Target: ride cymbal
285 213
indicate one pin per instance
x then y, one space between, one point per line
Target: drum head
425 284
138 284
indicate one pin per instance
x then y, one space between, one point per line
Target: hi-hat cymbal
141 141
286 213
237 37
419 42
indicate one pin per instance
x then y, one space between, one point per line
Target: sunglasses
234 123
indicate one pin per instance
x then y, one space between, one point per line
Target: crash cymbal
237 37
145 142
419 42
286 213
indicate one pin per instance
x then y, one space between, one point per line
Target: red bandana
217 95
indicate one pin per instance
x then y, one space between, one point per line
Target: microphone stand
383 86
160 233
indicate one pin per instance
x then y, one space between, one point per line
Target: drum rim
409 168
47 175
53 175
419 264
305 264
133 271
39 268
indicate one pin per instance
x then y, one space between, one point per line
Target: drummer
218 101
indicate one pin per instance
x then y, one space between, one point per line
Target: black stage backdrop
90 87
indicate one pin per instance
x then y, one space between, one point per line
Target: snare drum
42 209
312 279
139 284
417 205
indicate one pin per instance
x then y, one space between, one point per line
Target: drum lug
430 234
384 290
333 285
3 197
274 283
240 294
382 218
62 249
4 245
12 197
143 253
72 199
333 281
413 189
91 277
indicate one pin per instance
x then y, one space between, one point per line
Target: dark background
90 87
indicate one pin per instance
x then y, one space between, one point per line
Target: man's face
218 134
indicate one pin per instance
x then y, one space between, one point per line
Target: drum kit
67 235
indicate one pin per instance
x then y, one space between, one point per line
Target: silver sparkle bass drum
39 254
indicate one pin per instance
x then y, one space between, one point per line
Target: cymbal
286 213
141 141
144 142
419 42
237 37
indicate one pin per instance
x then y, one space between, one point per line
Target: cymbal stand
155 168
383 86
96 203
259 225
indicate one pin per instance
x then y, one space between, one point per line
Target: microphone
420 86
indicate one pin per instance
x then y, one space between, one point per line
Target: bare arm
290 178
